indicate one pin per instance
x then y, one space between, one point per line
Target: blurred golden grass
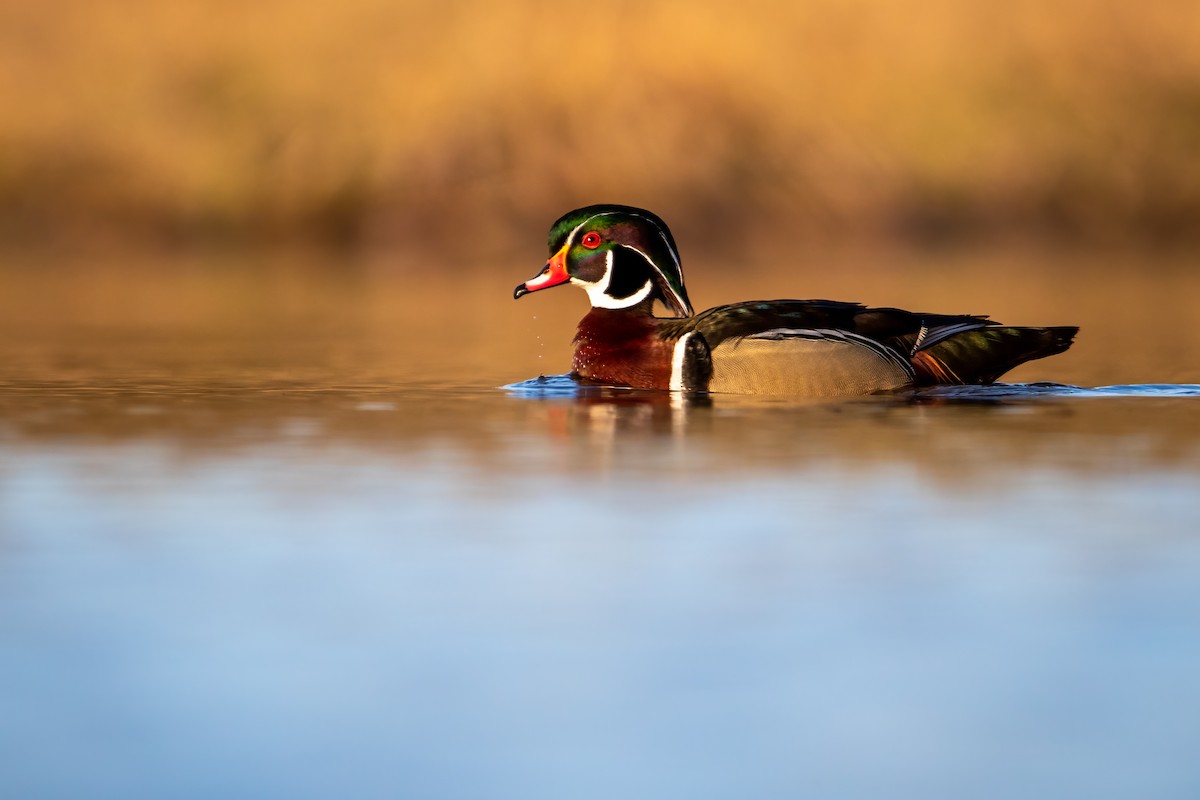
428 125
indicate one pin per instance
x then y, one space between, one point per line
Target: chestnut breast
622 348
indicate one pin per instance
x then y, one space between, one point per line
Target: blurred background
270 528
450 127
282 170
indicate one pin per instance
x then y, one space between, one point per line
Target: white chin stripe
600 299
598 291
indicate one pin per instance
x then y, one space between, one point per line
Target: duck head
623 257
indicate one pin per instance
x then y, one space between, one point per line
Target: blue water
554 591
567 386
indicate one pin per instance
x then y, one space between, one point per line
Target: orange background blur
455 127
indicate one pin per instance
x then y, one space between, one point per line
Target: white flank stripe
833 334
677 357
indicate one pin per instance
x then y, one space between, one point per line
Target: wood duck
625 259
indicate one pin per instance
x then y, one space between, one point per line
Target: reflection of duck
603 412
625 259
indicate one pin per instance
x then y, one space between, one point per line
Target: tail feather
983 354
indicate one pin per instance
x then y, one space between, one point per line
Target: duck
626 260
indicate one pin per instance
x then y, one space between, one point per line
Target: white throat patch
598 291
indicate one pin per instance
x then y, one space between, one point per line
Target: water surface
267 532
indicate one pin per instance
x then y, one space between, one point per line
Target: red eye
590 240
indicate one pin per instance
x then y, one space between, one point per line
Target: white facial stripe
598 291
666 241
577 228
601 286
653 266
601 300
662 235
649 262
677 358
